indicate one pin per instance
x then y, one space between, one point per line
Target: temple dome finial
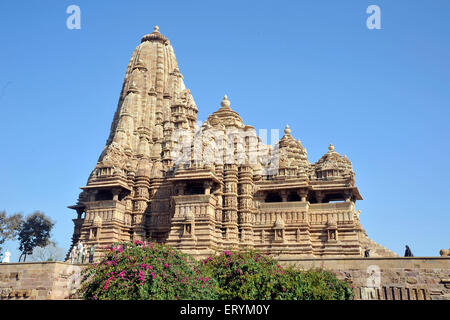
331 147
287 130
155 36
225 102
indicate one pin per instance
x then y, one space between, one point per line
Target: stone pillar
207 185
303 194
283 194
230 205
246 205
319 196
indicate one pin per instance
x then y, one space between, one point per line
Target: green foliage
143 271
9 226
251 276
244 275
314 284
34 232
155 271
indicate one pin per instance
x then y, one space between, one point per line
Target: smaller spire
225 102
287 130
156 29
331 147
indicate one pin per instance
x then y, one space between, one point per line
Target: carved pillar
319 196
230 205
283 194
207 185
303 194
246 205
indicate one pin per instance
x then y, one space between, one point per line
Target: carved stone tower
160 178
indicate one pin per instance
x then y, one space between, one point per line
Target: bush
156 271
244 275
315 284
144 271
251 276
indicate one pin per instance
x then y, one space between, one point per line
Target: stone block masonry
39 280
412 278
416 278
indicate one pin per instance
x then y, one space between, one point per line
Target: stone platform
412 278
415 278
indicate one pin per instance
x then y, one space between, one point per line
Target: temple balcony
197 204
107 210
290 212
298 212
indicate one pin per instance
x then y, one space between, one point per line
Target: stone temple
215 186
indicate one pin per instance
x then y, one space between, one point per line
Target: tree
34 232
9 226
50 252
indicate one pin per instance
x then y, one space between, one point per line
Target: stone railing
339 217
107 210
331 206
284 206
290 212
198 205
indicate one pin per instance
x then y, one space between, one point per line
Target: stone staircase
376 250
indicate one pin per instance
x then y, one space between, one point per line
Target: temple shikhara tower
215 186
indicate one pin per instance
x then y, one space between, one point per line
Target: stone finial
155 36
225 102
331 147
287 130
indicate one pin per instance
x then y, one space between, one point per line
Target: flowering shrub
251 276
146 271
315 284
244 275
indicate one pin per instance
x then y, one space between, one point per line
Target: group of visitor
408 252
80 252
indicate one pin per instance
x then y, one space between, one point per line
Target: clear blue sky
381 97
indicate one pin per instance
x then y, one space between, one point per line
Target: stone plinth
39 280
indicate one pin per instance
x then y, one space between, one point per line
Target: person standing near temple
367 253
408 252
85 255
7 255
91 253
80 251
